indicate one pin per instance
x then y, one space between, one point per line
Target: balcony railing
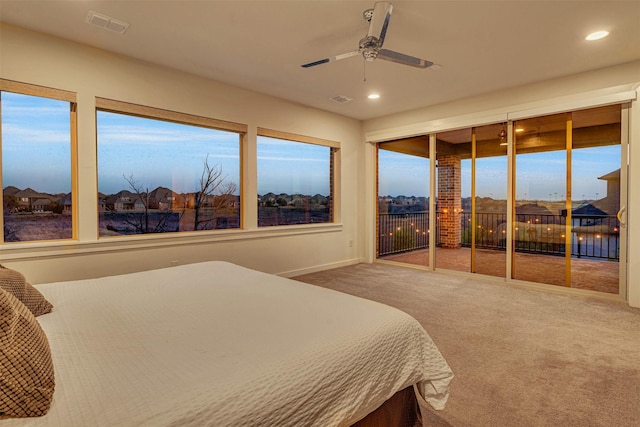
591 236
402 232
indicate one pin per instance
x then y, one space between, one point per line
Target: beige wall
528 96
38 59
564 94
35 58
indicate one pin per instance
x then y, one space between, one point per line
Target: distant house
608 205
9 198
41 205
66 203
215 201
192 201
299 201
125 201
319 199
165 199
267 200
101 202
29 199
588 209
25 198
10 190
233 202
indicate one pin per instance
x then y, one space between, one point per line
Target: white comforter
220 345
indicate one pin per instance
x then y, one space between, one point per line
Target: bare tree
9 203
139 222
214 194
11 233
143 223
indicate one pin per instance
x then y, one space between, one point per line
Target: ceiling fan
370 47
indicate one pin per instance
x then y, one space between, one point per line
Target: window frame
334 169
58 95
154 113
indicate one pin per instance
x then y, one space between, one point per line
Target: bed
217 344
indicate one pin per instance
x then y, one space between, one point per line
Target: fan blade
380 21
401 58
331 59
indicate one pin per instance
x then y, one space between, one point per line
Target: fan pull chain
364 71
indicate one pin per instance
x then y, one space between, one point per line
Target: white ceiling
481 46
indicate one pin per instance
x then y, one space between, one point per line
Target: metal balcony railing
402 232
591 236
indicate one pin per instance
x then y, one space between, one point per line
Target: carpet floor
521 357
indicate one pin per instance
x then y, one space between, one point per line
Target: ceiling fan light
369 55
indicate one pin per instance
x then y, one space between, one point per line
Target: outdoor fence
591 236
402 232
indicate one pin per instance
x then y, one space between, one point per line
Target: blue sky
35 138
402 175
540 176
35 134
36 149
158 153
292 167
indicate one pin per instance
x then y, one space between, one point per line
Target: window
161 171
295 179
37 141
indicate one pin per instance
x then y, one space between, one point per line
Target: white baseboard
322 267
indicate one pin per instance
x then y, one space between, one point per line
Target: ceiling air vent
106 22
341 99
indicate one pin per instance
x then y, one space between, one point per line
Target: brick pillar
449 201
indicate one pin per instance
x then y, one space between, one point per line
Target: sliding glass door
403 202
453 203
490 196
545 213
540 199
472 199
568 194
596 187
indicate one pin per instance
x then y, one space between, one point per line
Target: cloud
18 106
23 111
150 135
17 135
293 159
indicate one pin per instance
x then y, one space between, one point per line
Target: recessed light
597 35
373 96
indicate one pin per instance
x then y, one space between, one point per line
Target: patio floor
590 274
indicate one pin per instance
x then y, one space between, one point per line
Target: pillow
26 369
14 283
